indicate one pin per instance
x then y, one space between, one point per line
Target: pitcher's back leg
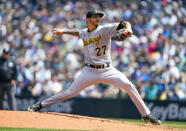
84 80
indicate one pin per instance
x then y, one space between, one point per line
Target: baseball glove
121 35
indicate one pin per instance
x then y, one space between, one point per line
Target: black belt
98 66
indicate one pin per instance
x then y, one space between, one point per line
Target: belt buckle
98 66
101 66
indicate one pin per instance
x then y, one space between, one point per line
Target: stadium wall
117 108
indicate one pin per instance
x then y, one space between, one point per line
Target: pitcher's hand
57 32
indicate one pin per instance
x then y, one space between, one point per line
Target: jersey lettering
92 40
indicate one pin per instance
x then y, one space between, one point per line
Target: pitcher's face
94 20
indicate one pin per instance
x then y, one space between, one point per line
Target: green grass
33 129
170 124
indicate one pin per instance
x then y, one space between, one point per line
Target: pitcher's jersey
98 44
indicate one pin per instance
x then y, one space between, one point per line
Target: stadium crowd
154 58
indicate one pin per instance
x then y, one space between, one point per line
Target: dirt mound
53 120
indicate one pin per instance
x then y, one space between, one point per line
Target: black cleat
35 107
152 119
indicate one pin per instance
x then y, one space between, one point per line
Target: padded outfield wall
118 108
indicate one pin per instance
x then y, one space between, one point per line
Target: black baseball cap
94 12
6 50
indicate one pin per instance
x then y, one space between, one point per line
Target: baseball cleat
35 107
152 119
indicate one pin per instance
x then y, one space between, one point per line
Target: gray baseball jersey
98 44
97 51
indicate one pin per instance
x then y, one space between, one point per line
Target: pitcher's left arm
124 31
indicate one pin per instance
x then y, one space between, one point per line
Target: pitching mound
52 120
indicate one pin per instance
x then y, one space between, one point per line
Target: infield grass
33 129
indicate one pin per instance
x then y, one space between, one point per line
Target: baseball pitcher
98 65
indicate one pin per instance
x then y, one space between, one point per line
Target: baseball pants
89 76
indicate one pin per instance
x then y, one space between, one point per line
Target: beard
96 24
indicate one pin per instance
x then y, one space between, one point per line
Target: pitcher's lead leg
116 78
